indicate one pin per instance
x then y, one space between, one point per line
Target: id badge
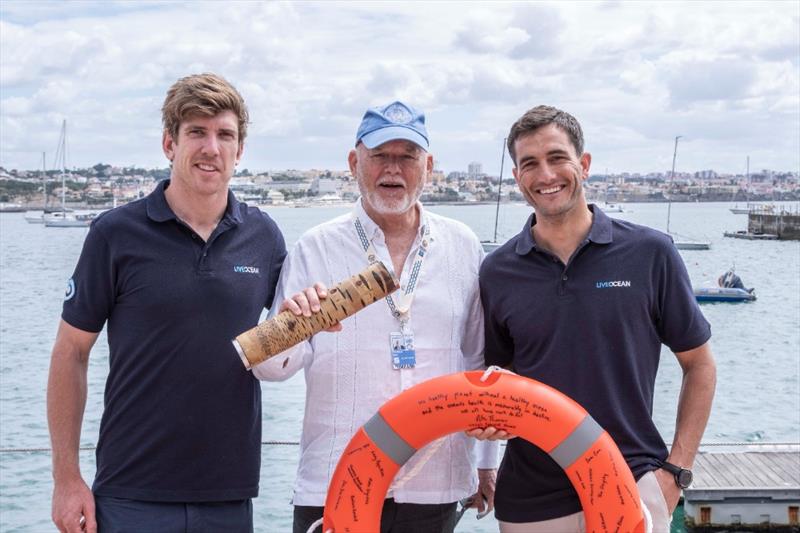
401 346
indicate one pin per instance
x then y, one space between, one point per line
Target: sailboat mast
747 183
671 179
44 180
63 151
499 188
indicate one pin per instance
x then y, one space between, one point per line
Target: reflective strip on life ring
459 402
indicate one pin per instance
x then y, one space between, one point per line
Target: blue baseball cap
394 121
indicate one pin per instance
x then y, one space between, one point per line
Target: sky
725 76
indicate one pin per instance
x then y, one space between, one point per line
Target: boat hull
490 246
69 220
751 236
692 245
723 294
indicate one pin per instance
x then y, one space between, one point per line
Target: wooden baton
286 329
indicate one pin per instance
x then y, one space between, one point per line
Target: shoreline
21 208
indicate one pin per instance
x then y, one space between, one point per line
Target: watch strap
671 468
679 473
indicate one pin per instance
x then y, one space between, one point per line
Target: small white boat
611 208
61 219
736 210
691 245
34 217
490 246
64 218
681 244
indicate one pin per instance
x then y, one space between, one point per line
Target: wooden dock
750 236
749 489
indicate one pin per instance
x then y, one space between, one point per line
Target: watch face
684 478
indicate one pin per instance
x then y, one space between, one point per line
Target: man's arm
66 401
694 407
285 364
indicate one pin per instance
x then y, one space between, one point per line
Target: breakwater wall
785 225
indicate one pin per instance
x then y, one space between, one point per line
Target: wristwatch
683 476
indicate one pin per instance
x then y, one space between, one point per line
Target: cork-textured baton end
242 356
286 330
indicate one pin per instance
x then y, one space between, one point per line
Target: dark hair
202 94
541 116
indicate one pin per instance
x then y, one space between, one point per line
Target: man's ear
168 145
428 167
352 161
586 162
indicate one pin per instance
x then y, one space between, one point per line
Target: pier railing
703 445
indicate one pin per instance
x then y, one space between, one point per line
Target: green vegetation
13 189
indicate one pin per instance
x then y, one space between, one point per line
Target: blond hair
202 94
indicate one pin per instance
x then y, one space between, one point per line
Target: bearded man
432 326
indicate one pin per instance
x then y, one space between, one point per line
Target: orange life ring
458 402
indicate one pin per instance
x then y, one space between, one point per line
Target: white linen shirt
349 374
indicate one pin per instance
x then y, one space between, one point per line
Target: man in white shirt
430 327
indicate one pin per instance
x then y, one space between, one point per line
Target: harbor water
757 348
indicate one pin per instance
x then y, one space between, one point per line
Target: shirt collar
371 227
159 210
599 233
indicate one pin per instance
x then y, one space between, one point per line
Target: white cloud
483 32
635 73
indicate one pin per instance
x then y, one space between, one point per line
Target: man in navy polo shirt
175 275
583 303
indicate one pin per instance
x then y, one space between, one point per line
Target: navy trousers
118 515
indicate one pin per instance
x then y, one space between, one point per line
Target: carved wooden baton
284 330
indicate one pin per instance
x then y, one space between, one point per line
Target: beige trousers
649 491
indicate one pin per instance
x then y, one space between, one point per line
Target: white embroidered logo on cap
398 114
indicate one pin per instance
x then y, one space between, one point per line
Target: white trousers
649 491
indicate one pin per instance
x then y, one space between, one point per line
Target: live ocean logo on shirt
242 269
70 292
612 284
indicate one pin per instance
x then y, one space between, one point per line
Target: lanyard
400 309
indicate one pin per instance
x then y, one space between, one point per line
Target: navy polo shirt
592 329
182 417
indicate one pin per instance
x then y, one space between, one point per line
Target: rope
317 524
502 443
711 444
91 448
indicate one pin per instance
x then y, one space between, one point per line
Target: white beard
391 206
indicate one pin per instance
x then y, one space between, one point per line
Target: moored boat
691 245
681 244
723 294
729 289
61 219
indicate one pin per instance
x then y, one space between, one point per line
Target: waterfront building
474 170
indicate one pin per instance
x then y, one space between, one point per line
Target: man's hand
73 507
306 302
483 500
670 489
489 433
